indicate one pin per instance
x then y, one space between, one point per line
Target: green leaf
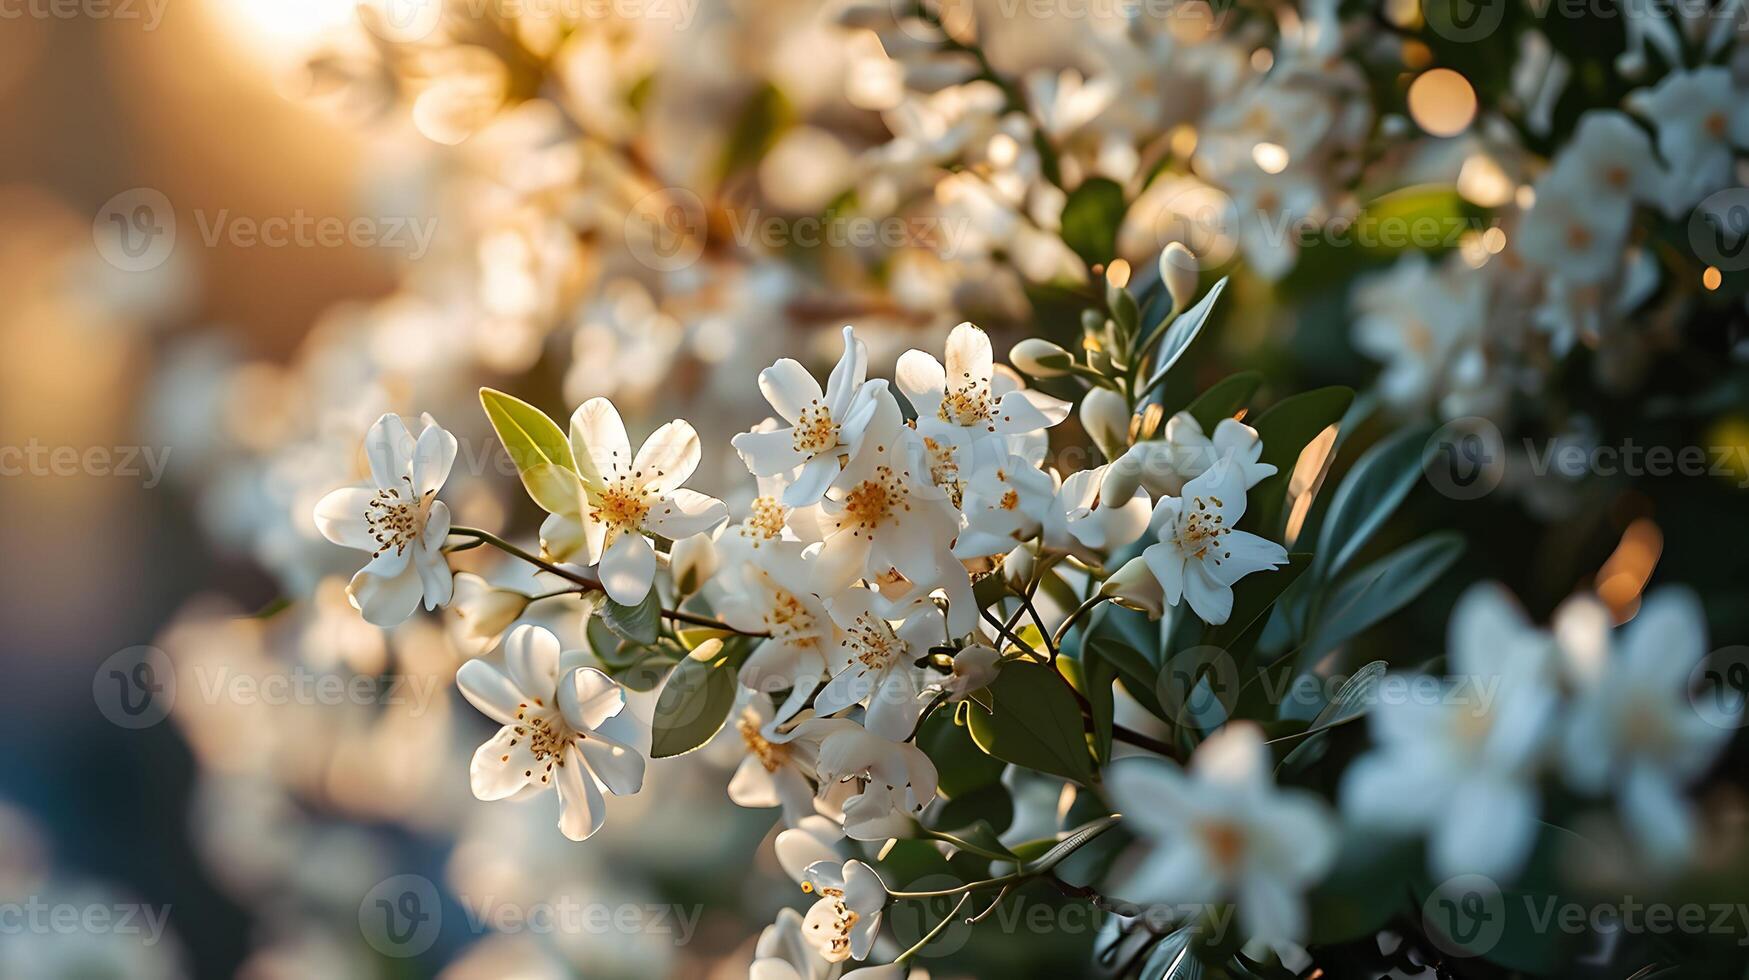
1252 597
1368 496
640 623
979 838
1173 958
763 118
1285 429
532 440
1140 677
1350 702
1183 331
1035 723
694 702
1091 217
1224 399
1093 677
1381 588
960 768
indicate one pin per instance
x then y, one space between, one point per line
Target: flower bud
1123 477
485 611
1179 271
1040 358
1106 417
1134 587
1017 568
692 561
973 668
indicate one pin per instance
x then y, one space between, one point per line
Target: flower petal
386 599
769 452
628 568
969 359
598 441
619 766
588 697
582 809
499 767
339 515
790 388
683 513
433 456
531 655
668 457
389 448
491 690
923 380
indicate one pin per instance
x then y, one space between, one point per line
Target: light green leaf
1034 722
532 440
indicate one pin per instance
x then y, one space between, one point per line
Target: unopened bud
1179 270
692 561
1122 478
1106 417
1040 358
1017 569
485 611
1134 587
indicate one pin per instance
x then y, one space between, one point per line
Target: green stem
1080 611
940 927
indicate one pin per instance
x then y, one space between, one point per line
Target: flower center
815 432
1715 125
966 404
396 521
874 643
1225 843
944 469
788 619
766 521
828 925
547 738
1578 237
873 501
622 505
1201 534
770 756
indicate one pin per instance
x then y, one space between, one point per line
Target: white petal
389 447
432 458
582 810
1211 600
531 655
847 375
1150 793
386 600
498 767
628 568
1168 566
340 515
668 457
1488 828
490 690
921 377
813 480
588 697
598 440
769 453
1025 411
790 388
968 356
1270 910
436 581
619 766
753 786
682 513
1241 554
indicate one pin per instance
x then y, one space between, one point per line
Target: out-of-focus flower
398 519
1633 730
1223 832
551 735
1461 766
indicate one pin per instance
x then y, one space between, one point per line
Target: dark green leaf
960 767
1252 597
1381 588
1091 217
1368 496
1286 428
1093 677
1035 722
1182 332
1224 399
694 702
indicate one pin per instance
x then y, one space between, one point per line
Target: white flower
845 920
875 662
692 561
1201 553
824 428
1424 322
973 668
1005 504
552 731
1699 115
1224 832
893 781
1105 416
1610 160
1460 760
778 602
1134 586
1633 730
605 508
1568 234
398 519
968 394
1079 518
774 773
783 953
1185 453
